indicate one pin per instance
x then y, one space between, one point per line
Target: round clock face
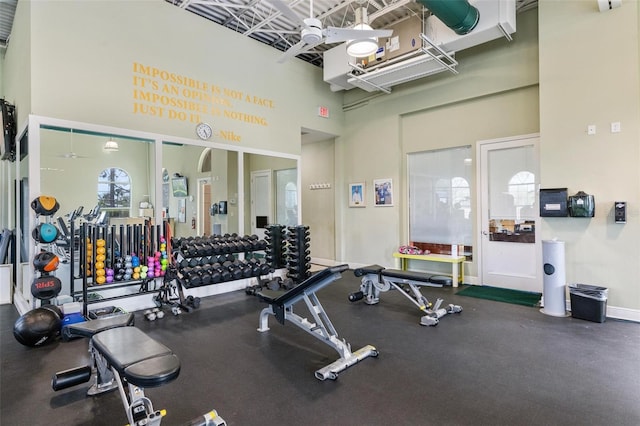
203 130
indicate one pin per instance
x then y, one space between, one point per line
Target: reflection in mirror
24 211
211 177
86 172
96 178
271 191
287 197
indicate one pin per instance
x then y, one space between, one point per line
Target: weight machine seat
280 300
371 269
141 360
91 327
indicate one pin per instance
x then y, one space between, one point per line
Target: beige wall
318 205
83 70
589 75
494 95
584 70
464 124
16 72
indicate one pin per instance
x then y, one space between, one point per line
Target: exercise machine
377 279
281 306
123 357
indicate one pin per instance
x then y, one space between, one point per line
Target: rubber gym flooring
493 364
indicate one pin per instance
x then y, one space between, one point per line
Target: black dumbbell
192 301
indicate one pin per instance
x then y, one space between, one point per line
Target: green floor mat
506 295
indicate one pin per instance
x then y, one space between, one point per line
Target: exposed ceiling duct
422 45
459 15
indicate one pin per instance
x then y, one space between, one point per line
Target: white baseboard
21 304
623 313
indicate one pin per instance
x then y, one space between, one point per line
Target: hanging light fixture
111 145
361 48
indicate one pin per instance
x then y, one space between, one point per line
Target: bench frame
153 356
377 279
281 306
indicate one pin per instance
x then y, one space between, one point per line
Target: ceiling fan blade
284 8
294 50
337 35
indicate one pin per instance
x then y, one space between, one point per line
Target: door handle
485 233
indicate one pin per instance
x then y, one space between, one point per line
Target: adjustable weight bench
376 279
281 306
124 356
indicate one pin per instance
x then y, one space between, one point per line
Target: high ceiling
262 21
7 12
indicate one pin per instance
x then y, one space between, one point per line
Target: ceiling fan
313 34
71 154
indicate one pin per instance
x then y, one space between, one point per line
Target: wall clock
204 131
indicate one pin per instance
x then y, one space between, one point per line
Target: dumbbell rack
275 238
297 253
140 239
203 261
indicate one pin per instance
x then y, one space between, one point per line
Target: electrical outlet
616 127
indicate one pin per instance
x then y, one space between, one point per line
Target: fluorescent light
363 47
111 146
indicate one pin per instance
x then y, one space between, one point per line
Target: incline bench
376 279
281 306
123 355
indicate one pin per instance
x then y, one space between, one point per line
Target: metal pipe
458 15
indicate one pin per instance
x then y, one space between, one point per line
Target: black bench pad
91 327
408 275
283 299
280 302
141 360
371 269
441 279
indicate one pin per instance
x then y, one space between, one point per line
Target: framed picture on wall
356 195
383 192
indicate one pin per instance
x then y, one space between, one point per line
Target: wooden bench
457 263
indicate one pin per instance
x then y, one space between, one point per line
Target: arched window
460 196
522 187
114 192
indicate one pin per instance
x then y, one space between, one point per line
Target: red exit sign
323 111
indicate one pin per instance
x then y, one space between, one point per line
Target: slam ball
37 327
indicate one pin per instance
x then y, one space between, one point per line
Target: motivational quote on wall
173 96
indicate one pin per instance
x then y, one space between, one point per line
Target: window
440 199
522 188
114 192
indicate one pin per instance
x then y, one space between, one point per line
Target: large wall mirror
116 176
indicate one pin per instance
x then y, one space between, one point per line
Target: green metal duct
458 15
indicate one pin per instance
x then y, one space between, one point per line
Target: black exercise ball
55 309
37 327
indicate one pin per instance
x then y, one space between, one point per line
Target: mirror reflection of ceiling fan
71 154
313 34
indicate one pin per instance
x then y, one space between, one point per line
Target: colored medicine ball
37 327
45 205
46 262
46 287
45 233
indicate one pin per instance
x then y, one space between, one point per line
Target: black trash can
588 302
